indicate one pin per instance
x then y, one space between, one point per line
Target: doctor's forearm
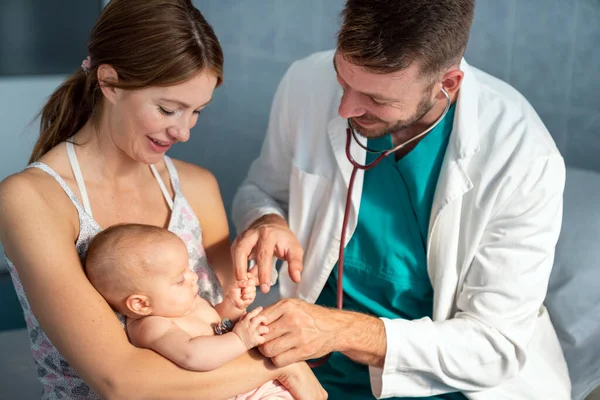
361 338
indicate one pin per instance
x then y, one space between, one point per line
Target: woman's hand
301 382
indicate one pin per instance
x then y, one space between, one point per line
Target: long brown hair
148 43
386 36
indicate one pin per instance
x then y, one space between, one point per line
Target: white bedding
574 294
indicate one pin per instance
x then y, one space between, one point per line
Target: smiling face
379 104
145 123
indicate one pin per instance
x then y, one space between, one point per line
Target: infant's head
142 270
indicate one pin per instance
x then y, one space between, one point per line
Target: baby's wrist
233 303
246 345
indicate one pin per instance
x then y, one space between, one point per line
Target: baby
143 273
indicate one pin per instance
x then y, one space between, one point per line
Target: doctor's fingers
291 356
289 311
242 248
277 330
265 254
275 348
294 257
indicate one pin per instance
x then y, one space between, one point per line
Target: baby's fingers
258 320
250 290
247 300
260 340
248 296
252 281
253 313
262 329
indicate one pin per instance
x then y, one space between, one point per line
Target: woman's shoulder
34 181
195 178
198 184
28 184
190 171
33 191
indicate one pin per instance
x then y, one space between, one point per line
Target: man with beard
450 239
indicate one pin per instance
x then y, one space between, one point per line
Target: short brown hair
385 36
148 43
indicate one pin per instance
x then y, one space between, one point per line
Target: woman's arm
38 236
202 192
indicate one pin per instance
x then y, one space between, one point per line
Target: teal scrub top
385 268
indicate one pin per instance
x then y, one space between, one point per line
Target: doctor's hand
300 331
266 238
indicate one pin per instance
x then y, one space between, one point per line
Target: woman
152 66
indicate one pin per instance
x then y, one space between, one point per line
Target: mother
152 66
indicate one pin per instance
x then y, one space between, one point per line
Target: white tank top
58 379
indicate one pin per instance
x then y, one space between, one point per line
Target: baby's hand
251 328
249 291
243 293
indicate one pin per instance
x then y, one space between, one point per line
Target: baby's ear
138 304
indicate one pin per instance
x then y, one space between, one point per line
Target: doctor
450 239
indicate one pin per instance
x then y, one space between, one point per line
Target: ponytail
69 108
148 43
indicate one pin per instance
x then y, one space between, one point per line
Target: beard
424 106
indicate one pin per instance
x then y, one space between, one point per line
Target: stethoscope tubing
350 135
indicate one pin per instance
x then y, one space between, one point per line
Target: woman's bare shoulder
196 181
33 191
34 181
26 185
187 171
201 189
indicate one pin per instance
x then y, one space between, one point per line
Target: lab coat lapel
453 183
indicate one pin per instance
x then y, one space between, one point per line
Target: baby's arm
201 353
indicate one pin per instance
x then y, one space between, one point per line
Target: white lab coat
494 223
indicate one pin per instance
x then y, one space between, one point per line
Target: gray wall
548 49
20 101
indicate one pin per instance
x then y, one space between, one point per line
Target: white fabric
494 224
83 190
573 296
78 177
163 188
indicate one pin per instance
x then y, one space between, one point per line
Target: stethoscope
351 136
